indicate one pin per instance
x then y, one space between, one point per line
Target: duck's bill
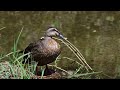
61 37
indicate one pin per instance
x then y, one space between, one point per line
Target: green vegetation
14 69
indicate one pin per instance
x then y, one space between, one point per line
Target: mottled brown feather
44 51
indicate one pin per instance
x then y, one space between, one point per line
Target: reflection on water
94 33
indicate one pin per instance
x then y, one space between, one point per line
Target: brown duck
45 50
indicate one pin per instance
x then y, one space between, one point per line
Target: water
95 33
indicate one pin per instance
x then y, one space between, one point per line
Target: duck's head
53 32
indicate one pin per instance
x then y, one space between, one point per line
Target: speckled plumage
45 50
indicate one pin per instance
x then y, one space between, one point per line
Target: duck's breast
51 46
48 47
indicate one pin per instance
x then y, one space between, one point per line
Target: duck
45 50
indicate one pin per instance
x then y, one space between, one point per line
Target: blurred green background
95 33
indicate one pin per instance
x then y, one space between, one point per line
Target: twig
78 75
2 28
59 68
77 53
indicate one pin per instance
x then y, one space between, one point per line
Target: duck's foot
46 71
55 75
37 71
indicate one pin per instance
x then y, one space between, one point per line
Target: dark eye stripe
54 29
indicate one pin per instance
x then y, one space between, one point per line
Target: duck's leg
46 67
48 71
36 71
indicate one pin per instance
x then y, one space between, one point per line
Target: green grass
13 68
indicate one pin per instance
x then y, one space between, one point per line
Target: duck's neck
48 37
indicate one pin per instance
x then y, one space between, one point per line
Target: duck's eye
54 30
57 34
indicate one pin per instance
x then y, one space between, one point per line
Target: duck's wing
29 47
34 45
